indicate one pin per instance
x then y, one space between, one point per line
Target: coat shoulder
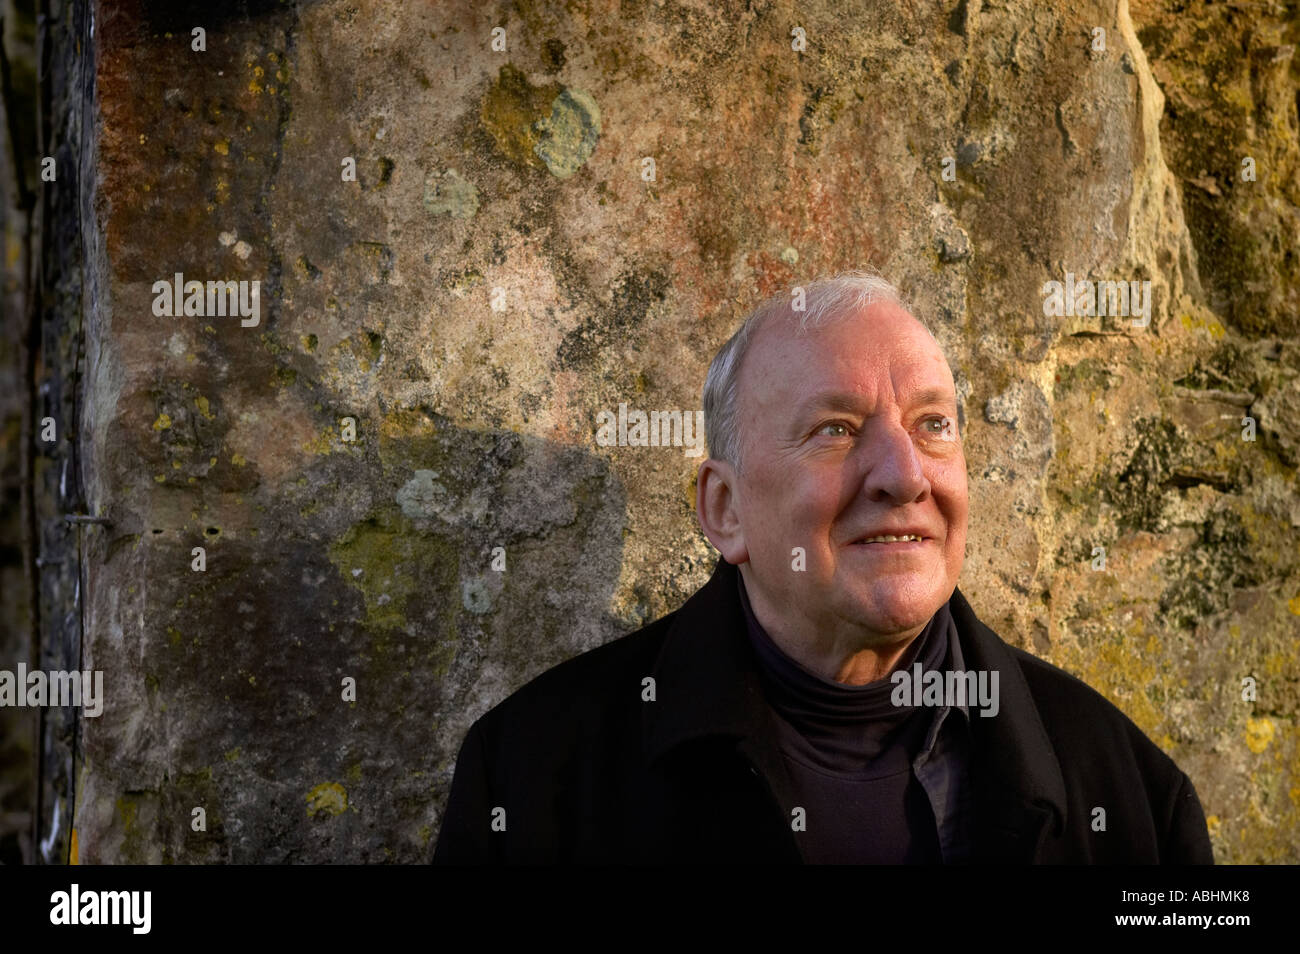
1080 720
1081 723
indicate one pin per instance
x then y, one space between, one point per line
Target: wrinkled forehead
879 350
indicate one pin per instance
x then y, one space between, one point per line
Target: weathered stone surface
504 268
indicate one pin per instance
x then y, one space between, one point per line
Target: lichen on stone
568 137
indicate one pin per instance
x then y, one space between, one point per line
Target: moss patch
388 562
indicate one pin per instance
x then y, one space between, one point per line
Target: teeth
892 539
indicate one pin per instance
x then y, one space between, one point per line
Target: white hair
825 300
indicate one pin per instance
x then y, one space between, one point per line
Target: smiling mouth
888 539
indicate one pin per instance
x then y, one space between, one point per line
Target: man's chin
894 617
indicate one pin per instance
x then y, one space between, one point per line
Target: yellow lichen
1125 674
1210 325
1259 732
324 443
327 798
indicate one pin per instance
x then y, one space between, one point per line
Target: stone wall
538 233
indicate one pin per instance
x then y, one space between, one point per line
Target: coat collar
708 685
706 676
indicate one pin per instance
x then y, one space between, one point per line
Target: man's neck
837 654
870 665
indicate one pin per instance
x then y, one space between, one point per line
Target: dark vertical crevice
54 338
19 87
16 139
85 93
34 403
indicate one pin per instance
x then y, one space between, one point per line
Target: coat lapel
1018 788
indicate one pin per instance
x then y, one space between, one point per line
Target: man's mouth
893 542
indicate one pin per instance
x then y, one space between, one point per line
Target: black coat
587 772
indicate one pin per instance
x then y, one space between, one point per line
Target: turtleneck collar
846 727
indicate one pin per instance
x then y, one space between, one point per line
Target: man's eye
841 429
942 427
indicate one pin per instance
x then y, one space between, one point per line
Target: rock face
341 533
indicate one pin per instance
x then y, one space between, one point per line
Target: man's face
848 432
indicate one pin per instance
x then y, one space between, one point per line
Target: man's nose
892 465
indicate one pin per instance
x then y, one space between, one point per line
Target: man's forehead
837 363
837 399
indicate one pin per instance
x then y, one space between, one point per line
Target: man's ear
715 505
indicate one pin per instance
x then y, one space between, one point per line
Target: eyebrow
934 396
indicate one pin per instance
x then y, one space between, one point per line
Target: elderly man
828 696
